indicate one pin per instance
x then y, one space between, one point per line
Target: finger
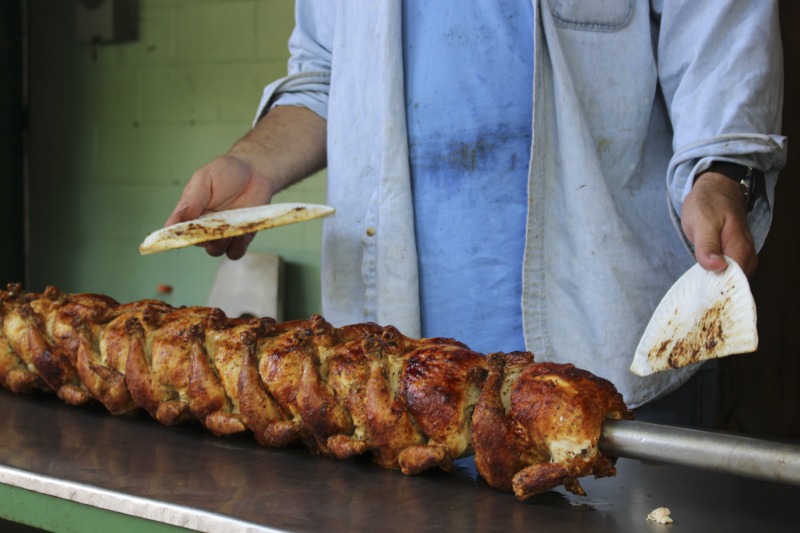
707 247
216 248
733 240
742 250
711 261
182 212
238 246
750 265
193 201
747 262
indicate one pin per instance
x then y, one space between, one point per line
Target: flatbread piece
231 223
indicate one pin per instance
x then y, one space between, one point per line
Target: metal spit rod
721 452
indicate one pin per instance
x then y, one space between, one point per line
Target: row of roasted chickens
414 404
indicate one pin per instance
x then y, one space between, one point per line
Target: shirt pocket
592 15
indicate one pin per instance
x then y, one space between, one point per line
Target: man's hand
714 219
225 183
287 145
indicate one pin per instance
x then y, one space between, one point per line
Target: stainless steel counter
185 476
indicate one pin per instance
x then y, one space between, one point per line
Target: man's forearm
287 145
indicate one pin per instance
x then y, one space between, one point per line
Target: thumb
184 211
193 201
705 236
710 245
708 248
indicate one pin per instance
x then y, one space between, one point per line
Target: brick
202 93
275 22
141 153
200 143
214 32
108 94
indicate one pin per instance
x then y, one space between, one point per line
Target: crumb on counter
660 515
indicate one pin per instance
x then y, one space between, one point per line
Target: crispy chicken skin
413 404
537 425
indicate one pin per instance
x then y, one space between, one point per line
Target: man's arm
285 146
720 70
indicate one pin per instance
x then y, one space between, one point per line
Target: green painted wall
117 130
11 121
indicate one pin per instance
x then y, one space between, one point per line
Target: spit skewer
734 454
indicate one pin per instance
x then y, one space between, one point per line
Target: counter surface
185 476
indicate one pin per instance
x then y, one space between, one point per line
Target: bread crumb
660 515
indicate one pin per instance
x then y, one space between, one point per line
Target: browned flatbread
231 223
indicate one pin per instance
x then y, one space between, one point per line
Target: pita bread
705 315
231 223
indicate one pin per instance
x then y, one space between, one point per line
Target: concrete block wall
116 130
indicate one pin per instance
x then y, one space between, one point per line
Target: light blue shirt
469 164
631 98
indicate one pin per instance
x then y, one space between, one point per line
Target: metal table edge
136 506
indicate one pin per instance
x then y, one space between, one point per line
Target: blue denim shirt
631 98
468 157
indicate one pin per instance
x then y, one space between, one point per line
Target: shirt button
371 231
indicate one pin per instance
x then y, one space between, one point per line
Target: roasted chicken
413 404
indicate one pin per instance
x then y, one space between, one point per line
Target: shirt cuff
306 89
